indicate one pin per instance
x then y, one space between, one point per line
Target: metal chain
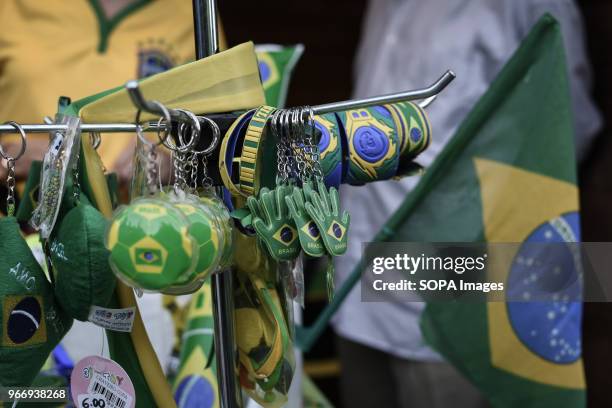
181 162
312 147
10 182
298 144
194 164
283 148
152 171
76 185
207 182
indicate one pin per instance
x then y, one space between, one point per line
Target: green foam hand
273 224
308 231
324 208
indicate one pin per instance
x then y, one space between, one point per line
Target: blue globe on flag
545 289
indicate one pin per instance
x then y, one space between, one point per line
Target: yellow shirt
57 47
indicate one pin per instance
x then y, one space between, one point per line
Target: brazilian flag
508 175
196 383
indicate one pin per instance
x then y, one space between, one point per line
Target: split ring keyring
24 143
215 137
195 132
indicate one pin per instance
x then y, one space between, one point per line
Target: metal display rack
206 44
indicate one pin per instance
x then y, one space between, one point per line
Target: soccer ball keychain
149 241
212 236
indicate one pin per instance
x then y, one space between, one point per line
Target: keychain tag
324 208
99 382
57 164
273 224
308 231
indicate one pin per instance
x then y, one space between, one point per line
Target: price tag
120 320
97 382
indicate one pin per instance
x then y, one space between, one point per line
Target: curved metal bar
133 90
434 89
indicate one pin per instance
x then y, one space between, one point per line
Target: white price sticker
114 397
120 320
91 401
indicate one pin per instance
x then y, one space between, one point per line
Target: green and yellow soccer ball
206 235
150 245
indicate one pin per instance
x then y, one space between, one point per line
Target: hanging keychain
323 203
149 240
308 231
271 218
10 166
212 204
323 206
204 228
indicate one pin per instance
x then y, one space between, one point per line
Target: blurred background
325 74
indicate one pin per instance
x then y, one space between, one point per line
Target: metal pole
206 44
205 28
85 128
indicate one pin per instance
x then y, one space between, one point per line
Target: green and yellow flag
508 175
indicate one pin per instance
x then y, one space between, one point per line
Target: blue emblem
325 136
153 61
546 281
370 143
415 134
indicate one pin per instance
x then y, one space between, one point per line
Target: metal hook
432 90
142 104
425 104
165 116
95 138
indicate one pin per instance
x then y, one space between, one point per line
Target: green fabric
30 193
523 122
32 322
82 274
276 65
